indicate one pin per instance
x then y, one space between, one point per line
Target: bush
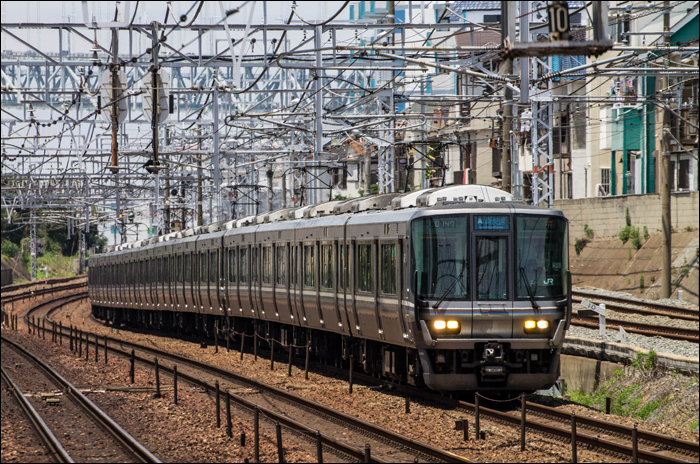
579 244
9 249
641 281
635 239
628 219
588 231
652 279
646 233
624 234
374 189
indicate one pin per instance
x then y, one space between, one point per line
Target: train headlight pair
450 325
531 326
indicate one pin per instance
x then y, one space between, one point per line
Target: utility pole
666 173
155 95
508 35
114 95
200 196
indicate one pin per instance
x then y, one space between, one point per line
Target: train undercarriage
488 366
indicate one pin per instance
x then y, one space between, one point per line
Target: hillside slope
612 265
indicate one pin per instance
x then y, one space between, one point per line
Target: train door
281 283
388 291
352 290
244 281
366 288
492 315
293 282
309 294
264 296
327 285
214 283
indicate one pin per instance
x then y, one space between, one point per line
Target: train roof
391 207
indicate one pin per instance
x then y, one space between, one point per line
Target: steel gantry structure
220 111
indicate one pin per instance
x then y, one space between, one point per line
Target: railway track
385 445
660 445
632 306
73 416
49 282
52 444
657 442
42 291
657 447
651 330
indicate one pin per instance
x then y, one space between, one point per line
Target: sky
72 11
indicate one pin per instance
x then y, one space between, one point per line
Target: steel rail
118 433
659 309
652 437
38 292
652 330
59 280
661 440
45 433
402 440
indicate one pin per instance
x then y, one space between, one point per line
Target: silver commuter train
461 295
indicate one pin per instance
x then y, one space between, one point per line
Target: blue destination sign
492 223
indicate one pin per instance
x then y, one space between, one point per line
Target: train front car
491 291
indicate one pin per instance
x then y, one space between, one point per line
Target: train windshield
440 258
542 257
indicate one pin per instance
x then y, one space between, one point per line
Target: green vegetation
646 410
588 231
685 271
9 249
652 279
645 363
632 234
688 229
374 189
628 219
579 245
55 249
694 425
646 233
641 281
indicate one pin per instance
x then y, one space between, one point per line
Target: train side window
214 267
244 265
266 264
254 265
341 267
232 265
309 266
364 268
388 269
203 276
281 265
327 266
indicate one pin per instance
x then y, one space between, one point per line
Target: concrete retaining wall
606 215
619 353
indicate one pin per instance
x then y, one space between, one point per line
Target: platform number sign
558 20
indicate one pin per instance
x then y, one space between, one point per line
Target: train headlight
530 325
439 325
542 325
453 325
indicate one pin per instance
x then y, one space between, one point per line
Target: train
456 288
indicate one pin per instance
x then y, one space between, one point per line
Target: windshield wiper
529 290
444 295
